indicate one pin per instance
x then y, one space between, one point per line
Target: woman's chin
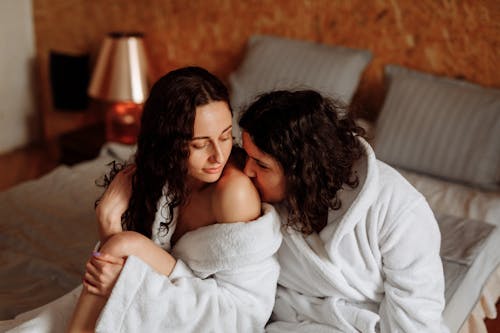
211 178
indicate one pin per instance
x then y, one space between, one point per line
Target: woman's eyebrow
227 128
207 137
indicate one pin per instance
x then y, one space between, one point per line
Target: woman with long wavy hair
185 244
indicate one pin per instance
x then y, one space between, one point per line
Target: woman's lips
213 170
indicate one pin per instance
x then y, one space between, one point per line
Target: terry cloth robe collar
220 246
225 246
355 203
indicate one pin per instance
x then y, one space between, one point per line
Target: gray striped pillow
440 126
273 63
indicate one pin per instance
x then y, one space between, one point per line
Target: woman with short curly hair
317 150
360 249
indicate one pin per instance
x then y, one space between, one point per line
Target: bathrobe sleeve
412 267
237 300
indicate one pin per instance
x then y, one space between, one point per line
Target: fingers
124 176
91 269
98 262
108 258
101 269
91 280
101 272
94 277
130 169
127 173
93 289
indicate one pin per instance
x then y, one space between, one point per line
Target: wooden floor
32 162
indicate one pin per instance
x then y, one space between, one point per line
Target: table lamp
120 78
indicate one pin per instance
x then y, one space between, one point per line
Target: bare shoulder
235 198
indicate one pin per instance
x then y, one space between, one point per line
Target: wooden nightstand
82 144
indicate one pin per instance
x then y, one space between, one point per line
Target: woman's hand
114 203
101 272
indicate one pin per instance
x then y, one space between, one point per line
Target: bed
48 225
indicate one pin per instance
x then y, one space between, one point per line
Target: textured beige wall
456 38
19 121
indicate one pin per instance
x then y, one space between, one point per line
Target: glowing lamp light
123 122
121 79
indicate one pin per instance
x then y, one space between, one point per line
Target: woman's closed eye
257 162
262 165
200 144
226 137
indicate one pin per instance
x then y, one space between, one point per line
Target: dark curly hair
314 139
162 147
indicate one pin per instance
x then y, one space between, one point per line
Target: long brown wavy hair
314 139
162 147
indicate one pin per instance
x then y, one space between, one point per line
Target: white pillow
273 63
441 127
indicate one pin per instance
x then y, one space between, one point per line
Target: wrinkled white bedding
47 231
463 201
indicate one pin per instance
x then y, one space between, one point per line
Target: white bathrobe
224 281
375 266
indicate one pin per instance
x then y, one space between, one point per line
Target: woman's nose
248 169
217 156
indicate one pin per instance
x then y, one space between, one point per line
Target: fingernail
96 254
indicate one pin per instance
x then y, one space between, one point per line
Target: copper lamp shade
121 71
120 81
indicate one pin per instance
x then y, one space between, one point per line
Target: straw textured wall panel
456 38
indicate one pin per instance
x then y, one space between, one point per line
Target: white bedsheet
460 200
47 231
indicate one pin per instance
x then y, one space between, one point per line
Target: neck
195 185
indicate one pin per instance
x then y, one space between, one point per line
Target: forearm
87 310
113 204
108 224
129 243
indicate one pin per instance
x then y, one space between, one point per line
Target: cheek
281 190
267 183
277 187
194 161
278 184
227 147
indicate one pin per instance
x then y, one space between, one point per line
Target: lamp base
123 122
